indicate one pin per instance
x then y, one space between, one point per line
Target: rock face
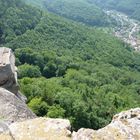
3 127
4 132
41 129
8 73
13 108
124 126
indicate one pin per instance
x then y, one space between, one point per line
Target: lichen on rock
41 129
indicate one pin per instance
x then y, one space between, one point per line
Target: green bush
39 107
56 111
27 70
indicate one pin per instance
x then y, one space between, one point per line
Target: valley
121 23
127 29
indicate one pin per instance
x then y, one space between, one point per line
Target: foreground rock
12 108
124 126
41 129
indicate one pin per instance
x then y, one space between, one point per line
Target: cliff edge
12 102
18 122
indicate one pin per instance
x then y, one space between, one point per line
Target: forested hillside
77 10
16 19
70 70
36 3
129 7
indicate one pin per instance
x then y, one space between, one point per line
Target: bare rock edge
18 122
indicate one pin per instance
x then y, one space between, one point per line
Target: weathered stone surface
83 134
124 126
8 71
12 108
3 127
5 132
41 129
6 136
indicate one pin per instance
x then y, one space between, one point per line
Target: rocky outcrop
41 129
12 108
12 105
38 129
124 126
8 71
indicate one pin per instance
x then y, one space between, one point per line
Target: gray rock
3 127
12 102
5 133
83 134
41 129
12 108
8 71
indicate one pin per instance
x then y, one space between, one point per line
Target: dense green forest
16 18
89 11
36 3
67 69
79 10
129 7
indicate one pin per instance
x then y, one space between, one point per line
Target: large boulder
41 129
12 103
124 126
13 108
8 70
